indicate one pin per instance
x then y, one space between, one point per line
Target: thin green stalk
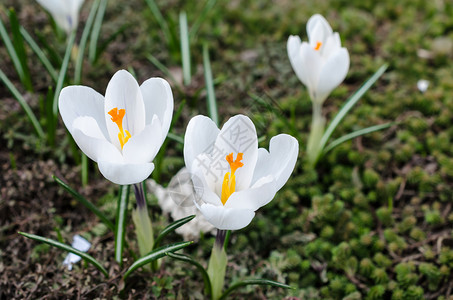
202 16
42 57
212 102
83 42
96 30
349 104
84 169
23 103
120 225
185 47
63 71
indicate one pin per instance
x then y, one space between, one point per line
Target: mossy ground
373 221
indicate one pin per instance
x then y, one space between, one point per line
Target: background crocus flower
321 64
64 12
236 177
123 131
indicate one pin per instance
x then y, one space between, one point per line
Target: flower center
229 181
117 118
318 46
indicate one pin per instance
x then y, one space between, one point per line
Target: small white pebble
79 243
422 85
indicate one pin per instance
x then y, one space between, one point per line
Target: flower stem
217 265
316 132
142 222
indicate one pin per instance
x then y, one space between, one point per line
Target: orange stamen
117 118
318 46
229 181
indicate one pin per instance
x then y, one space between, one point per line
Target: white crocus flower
123 131
236 177
321 64
64 12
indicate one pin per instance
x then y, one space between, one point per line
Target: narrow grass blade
83 42
84 172
212 102
175 138
63 71
68 248
31 116
42 57
51 120
253 282
196 26
18 43
120 228
110 39
11 51
155 254
96 30
86 203
171 227
54 56
277 111
163 69
185 47
355 134
160 20
349 104
190 260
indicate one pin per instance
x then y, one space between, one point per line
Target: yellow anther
117 118
318 46
229 181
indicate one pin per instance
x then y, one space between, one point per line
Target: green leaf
86 203
83 42
18 43
155 254
161 21
120 228
41 55
68 248
164 70
31 116
12 52
202 16
349 104
171 227
92 55
185 47
355 134
63 71
175 137
212 103
253 282
190 260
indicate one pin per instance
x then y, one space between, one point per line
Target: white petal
144 146
227 218
318 29
238 135
123 92
253 198
281 160
200 137
204 193
332 45
158 99
295 57
78 101
92 142
332 73
312 62
121 173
